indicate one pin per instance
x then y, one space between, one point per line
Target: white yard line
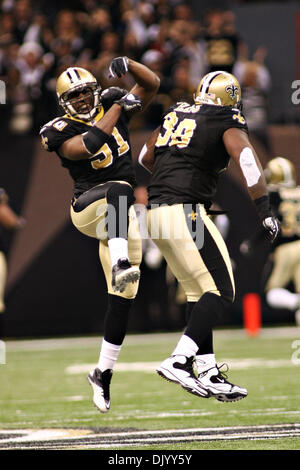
150 367
87 341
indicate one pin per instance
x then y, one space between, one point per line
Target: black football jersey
285 203
190 154
113 160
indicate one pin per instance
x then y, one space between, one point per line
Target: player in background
92 142
283 264
9 220
186 154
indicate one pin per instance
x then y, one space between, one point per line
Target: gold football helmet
71 85
280 171
220 89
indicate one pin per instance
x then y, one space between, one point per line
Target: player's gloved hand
112 93
272 227
130 102
118 67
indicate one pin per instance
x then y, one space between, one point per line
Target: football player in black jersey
283 264
92 142
186 155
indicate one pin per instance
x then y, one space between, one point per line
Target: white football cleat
217 386
179 369
100 381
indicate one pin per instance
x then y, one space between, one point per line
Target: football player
186 154
9 220
92 142
283 265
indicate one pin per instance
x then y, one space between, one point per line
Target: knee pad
117 191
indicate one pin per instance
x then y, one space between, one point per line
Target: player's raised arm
81 100
147 82
83 146
238 146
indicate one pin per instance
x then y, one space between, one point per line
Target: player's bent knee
120 190
219 304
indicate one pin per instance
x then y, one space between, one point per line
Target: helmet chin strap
86 116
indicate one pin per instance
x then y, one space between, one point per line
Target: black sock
116 319
205 314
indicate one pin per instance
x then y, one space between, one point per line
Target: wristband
263 207
93 139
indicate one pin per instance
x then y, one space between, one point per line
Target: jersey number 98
178 134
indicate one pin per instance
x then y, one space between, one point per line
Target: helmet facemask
81 101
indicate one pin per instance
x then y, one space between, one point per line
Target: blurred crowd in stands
39 39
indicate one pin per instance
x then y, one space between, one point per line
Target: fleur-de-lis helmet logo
232 90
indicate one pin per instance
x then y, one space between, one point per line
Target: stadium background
55 283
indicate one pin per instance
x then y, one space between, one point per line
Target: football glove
272 227
118 67
130 102
111 94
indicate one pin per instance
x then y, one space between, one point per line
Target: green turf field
44 389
